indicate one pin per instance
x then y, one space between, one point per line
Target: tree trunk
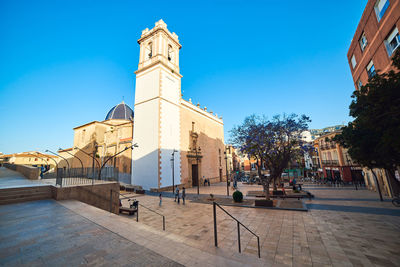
377 184
274 181
393 182
266 190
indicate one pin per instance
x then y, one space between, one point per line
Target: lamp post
62 158
94 159
197 150
126 148
39 157
56 170
74 157
227 183
173 168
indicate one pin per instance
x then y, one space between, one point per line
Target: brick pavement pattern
343 227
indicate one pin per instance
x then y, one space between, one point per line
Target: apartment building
375 40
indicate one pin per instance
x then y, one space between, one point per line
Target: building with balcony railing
335 162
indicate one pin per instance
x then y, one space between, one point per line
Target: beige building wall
210 131
102 139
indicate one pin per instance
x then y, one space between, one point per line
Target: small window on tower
170 53
149 51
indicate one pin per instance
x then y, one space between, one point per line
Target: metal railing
137 214
86 175
238 228
125 196
330 162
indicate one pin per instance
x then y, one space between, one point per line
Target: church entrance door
195 175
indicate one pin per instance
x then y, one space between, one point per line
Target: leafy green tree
274 142
373 138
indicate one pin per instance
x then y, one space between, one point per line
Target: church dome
120 112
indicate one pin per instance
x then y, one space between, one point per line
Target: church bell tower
157 109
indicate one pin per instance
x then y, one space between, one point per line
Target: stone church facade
164 122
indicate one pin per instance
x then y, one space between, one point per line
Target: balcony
330 162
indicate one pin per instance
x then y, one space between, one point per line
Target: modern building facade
375 40
164 122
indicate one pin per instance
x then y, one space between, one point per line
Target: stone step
23 190
24 199
22 194
25 194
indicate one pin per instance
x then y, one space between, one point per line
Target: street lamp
74 157
227 183
126 148
173 168
60 157
197 150
94 159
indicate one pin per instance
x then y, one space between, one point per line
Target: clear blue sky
66 63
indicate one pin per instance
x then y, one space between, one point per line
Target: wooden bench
128 210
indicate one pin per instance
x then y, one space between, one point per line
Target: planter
277 193
139 191
263 203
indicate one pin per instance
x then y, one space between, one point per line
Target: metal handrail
215 204
137 214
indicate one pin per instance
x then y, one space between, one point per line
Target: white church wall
147 85
169 140
145 134
170 86
169 127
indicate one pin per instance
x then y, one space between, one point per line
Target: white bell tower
157 109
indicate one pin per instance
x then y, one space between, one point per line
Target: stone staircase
24 194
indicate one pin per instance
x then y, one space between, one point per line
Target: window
353 61
371 69
170 53
359 84
393 41
380 8
149 51
253 166
363 41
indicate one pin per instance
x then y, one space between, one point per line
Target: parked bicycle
396 201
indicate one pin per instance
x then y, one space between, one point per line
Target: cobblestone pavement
343 227
44 233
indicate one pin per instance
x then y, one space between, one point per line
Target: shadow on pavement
368 210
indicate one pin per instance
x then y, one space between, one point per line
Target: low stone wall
104 196
29 172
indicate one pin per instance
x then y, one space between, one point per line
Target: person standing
177 194
160 200
183 195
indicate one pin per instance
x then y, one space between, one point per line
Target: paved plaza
343 227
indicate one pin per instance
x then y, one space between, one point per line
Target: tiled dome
120 112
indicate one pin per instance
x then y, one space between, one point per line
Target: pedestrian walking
183 195
160 200
177 194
